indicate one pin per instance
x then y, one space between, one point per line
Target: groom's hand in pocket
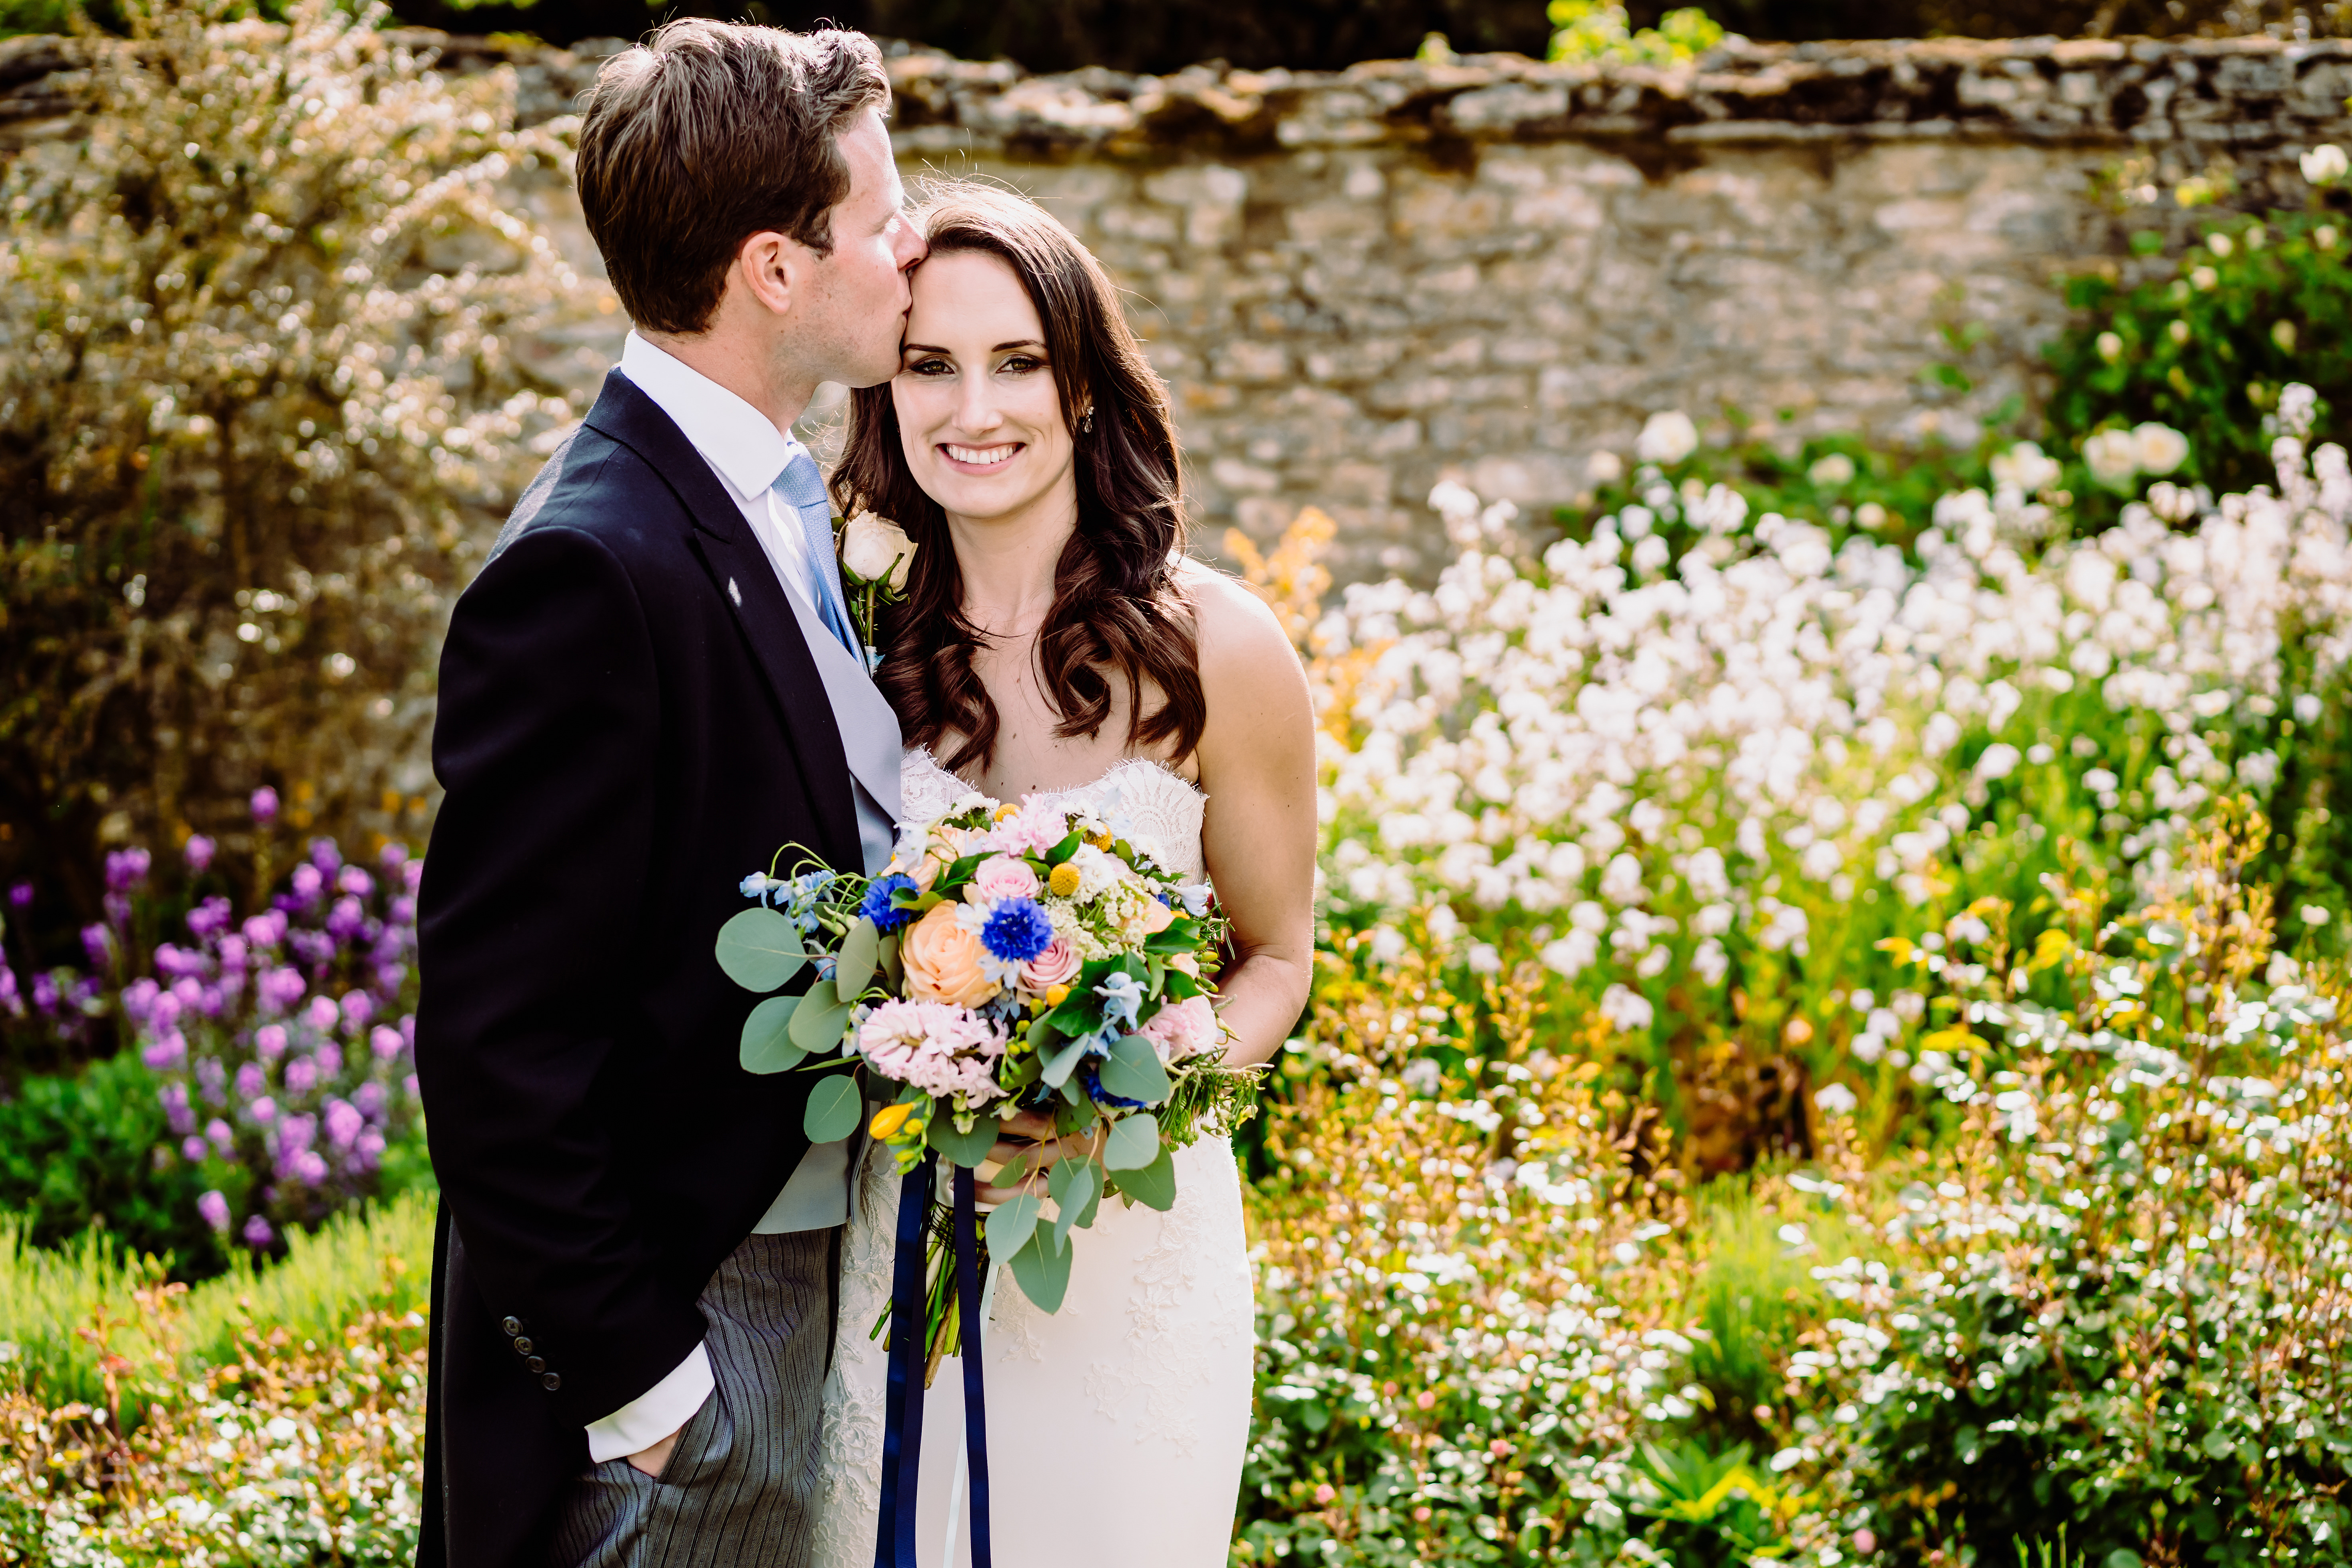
655 1459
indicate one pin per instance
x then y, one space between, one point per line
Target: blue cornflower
876 905
1017 930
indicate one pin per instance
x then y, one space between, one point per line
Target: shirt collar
737 440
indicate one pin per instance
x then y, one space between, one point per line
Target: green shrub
82 1150
261 403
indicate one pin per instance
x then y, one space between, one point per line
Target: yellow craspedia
889 1119
1065 880
1007 809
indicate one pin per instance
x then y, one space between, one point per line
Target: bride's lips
998 453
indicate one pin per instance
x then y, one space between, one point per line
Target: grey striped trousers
740 1487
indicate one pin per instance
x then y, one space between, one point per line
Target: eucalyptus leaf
1154 1185
1075 1188
1041 1272
818 1022
894 970
760 950
1063 1061
1132 1071
1012 1223
1133 1142
834 1108
861 953
965 1148
767 1040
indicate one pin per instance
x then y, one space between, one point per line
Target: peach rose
942 961
1157 917
1053 967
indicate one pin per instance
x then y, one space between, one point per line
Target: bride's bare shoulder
1242 645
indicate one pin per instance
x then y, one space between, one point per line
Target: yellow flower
1056 995
1065 880
889 1119
1007 809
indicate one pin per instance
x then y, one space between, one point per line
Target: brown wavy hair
1119 609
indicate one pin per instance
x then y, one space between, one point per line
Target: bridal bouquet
1010 958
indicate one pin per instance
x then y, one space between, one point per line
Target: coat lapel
739 573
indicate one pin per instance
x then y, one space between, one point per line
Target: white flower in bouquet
873 550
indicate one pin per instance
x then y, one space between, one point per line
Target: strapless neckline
1159 809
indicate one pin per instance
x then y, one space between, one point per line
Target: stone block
1248 363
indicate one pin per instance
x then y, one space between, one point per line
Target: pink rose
1054 966
1002 876
1182 1029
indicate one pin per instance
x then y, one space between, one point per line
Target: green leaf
1133 1143
767 1042
817 1025
1154 1185
1012 1223
760 950
1064 850
1063 1062
894 971
1182 936
1041 1272
861 953
834 1108
1132 1071
1075 1188
965 1148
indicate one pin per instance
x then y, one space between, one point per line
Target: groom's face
856 307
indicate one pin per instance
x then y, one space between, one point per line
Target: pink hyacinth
1035 828
938 1047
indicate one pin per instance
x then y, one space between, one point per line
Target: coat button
511 1326
522 1345
535 1363
551 1383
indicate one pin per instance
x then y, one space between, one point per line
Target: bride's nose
976 410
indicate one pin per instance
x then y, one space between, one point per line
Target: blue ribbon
902 1435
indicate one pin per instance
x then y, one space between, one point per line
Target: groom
653 684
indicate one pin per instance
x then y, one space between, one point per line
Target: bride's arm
1257 766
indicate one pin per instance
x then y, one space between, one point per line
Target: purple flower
323 1013
166 1053
403 909
408 1029
163 1012
1017 930
99 943
296 1133
139 999
257 1233
347 918
415 1091
212 1082
281 989
305 884
221 1136
21 896
10 1001
264 804
251 1081
266 930
355 881
269 1040
212 1001
344 1122
369 1151
391 977
189 993
369 1097
385 1043
412 875
264 1111
198 850
209 919
326 856
329 1057
126 869
359 1007
214 1207
301 1076
194 1149
309 1167
176 962
314 948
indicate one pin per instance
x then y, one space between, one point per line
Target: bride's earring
1086 421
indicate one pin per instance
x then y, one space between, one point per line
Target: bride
1055 641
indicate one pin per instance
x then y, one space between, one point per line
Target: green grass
52 1299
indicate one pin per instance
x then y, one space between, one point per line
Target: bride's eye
930 364
1022 365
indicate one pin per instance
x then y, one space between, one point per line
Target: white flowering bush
1711 764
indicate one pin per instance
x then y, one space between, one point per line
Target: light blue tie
802 488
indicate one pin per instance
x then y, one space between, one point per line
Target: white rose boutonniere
875 555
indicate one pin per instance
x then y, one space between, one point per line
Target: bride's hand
1026 1151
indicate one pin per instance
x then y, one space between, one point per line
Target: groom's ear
772 271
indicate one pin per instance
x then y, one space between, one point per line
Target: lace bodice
1157 811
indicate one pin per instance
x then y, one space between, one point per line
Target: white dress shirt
747 452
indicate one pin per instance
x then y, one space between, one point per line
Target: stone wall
1490 268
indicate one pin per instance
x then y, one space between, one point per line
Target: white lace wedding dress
1116 1426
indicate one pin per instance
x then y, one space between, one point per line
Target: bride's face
979 412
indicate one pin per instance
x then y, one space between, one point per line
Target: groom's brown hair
707 135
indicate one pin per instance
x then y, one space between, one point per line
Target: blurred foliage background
1315 35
